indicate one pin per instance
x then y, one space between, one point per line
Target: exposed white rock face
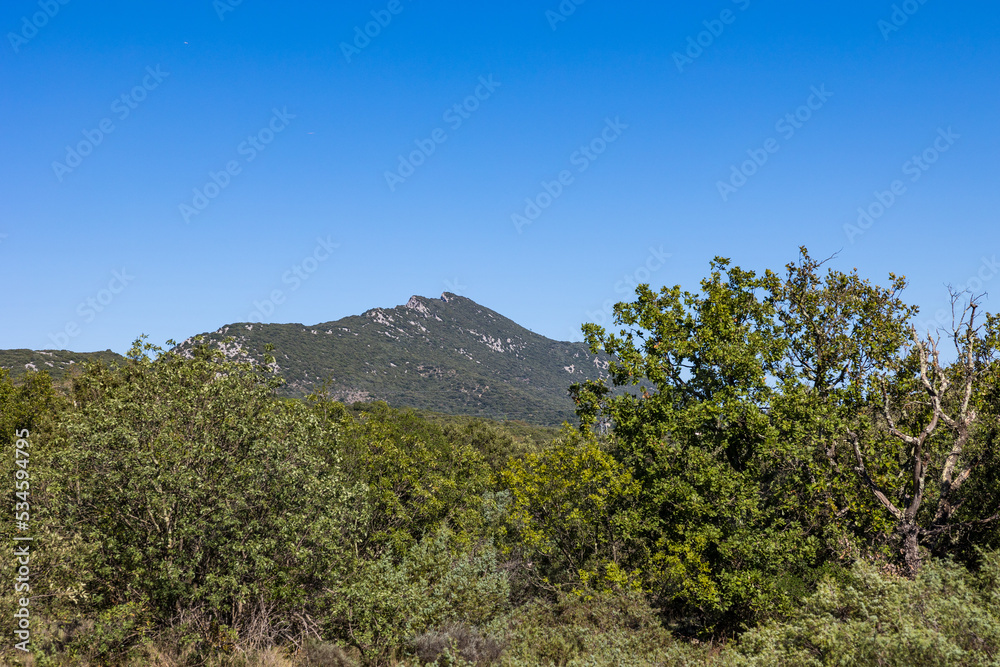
379 316
233 351
493 343
416 304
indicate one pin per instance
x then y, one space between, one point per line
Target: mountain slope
58 363
448 354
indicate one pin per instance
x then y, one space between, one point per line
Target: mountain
58 363
449 354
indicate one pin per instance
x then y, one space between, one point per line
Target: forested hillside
57 363
795 477
449 355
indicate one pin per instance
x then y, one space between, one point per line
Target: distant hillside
58 363
449 354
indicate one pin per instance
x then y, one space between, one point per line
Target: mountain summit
448 354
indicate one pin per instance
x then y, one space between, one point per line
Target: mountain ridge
58 363
449 354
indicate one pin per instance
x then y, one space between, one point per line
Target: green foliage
606 630
773 453
59 565
498 443
979 500
947 616
26 404
698 440
114 633
199 491
414 476
768 434
388 602
570 513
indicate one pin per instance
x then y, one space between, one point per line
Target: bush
571 515
387 603
601 630
456 640
414 477
200 492
947 616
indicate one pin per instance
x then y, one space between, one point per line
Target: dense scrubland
794 478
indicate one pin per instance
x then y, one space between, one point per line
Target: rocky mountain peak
449 354
416 303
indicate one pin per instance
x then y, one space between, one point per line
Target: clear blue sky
308 115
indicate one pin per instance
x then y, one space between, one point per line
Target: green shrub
602 630
947 616
387 603
200 492
414 477
571 515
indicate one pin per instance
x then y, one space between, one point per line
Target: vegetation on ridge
448 355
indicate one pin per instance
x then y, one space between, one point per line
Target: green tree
571 514
841 334
26 404
59 557
415 476
693 429
883 405
932 414
201 492
772 423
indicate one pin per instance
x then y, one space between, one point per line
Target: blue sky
541 157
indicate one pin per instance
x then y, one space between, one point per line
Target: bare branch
882 497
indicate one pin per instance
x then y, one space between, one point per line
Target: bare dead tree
947 395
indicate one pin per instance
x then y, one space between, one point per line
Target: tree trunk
911 549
